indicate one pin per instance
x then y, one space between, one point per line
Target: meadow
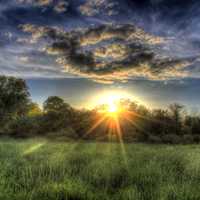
39 169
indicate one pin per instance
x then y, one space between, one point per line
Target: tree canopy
14 97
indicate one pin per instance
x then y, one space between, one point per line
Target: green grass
43 170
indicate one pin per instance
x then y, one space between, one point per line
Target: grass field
42 170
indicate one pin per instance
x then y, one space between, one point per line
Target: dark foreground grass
43 170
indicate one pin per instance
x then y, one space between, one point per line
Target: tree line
20 117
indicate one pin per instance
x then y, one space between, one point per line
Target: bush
188 139
154 139
63 133
171 139
196 138
24 127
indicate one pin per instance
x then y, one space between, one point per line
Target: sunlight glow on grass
33 148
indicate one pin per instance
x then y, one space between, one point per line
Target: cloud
59 6
94 38
36 2
110 52
97 7
24 59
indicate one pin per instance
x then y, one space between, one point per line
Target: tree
160 122
14 98
57 113
193 123
54 104
176 111
82 121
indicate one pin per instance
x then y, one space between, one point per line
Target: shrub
63 133
154 139
196 138
171 139
188 139
24 127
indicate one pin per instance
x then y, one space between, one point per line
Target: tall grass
43 170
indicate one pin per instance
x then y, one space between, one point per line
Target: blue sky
79 48
156 94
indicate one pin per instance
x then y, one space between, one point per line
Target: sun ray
134 124
119 134
147 118
96 125
113 113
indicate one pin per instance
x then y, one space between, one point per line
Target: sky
80 49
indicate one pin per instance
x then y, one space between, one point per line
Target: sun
110 98
112 108
111 113
109 103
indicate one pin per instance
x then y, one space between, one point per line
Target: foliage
14 99
55 104
81 121
176 116
21 117
57 114
25 126
171 139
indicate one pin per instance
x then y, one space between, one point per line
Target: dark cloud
158 16
137 55
87 40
